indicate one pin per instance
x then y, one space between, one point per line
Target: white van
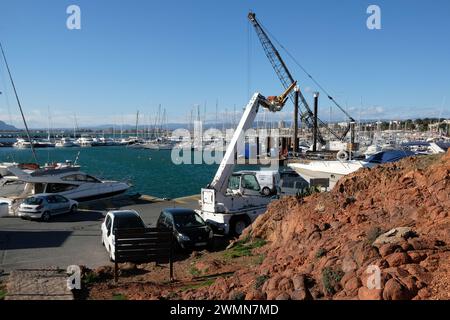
268 180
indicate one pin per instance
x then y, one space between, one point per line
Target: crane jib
286 79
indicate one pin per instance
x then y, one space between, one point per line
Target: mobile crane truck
231 212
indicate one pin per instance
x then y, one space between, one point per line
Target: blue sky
137 54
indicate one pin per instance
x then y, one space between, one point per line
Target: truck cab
244 183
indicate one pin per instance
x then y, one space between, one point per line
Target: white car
119 219
43 206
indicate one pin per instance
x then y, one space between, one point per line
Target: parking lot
71 238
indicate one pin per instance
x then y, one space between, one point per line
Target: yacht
85 141
67 181
25 144
326 173
65 143
22 143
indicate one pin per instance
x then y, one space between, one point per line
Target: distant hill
6 127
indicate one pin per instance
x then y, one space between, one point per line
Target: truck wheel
266 191
238 225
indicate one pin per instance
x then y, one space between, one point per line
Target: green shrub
90 278
331 278
119 296
194 271
2 293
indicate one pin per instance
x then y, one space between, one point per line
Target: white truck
268 181
231 211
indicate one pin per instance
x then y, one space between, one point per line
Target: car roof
124 213
178 211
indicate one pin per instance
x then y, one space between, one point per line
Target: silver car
44 206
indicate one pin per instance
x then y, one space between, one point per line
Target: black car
189 228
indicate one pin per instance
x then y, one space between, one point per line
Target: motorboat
65 143
25 144
22 144
68 181
85 141
326 173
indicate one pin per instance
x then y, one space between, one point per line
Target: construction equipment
231 212
286 79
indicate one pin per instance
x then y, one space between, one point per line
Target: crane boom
286 78
280 67
273 104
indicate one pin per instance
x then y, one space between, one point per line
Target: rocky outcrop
381 233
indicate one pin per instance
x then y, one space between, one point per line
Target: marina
293 195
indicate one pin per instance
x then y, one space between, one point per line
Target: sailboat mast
137 123
18 102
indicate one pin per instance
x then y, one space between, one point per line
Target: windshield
234 182
188 220
128 222
33 201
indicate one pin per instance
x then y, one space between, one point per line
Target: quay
73 239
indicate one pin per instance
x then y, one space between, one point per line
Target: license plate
199 244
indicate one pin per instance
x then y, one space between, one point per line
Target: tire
73 208
266 191
342 155
46 216
238 225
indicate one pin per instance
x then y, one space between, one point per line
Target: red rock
393 290
272 294
397 259
365 293
424 293
283 296
255 294
347 276
352 285
285 284
299 282
417 256
387 249
299 295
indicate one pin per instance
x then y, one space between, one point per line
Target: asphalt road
71 239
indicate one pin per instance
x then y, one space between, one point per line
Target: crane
232 212
286 79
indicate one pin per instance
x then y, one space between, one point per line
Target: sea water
151 172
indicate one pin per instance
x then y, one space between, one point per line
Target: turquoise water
151 172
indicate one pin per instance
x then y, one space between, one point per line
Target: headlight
211 234
183 237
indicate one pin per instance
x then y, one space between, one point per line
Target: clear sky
137 54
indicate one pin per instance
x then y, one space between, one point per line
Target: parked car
268 180
190 230
119 219
43 206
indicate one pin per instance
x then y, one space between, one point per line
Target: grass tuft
119 296
243 248
194 286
